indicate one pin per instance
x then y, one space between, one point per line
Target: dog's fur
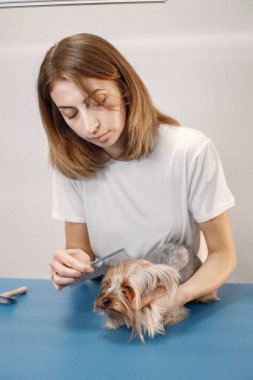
177 256
125 286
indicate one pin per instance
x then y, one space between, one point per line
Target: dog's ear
105 284
128 291
107 279
161 275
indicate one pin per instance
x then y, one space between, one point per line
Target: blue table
49 335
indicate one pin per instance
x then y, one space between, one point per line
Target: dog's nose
106 302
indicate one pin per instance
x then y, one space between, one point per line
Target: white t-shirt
141 204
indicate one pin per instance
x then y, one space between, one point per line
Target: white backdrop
196 58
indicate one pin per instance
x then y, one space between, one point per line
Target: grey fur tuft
178 256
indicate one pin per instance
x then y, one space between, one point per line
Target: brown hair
88 56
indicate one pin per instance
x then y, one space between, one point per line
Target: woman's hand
166 301
68 265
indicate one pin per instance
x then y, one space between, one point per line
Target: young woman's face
89 119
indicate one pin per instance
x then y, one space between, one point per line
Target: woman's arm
73 262
77 237
220 263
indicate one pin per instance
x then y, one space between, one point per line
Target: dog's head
126 285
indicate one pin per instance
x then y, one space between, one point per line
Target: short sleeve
67 199
209 194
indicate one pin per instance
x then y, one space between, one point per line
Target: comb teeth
102 265
7 300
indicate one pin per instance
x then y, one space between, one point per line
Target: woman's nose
89 120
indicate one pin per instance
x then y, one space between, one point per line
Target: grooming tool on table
6 298
103 264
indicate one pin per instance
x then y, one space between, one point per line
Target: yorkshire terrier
125 286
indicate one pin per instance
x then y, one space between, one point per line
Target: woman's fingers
58 280
68 265
65 271
78 254
57 287
158 293
69 261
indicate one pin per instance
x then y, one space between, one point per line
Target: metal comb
102 265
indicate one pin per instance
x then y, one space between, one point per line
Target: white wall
196 58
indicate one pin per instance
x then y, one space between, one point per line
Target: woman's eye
72 116
97 103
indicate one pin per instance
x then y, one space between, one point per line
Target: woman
126 175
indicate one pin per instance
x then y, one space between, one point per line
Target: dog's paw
113 323
176 316
213 296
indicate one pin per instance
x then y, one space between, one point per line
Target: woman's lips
102 137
